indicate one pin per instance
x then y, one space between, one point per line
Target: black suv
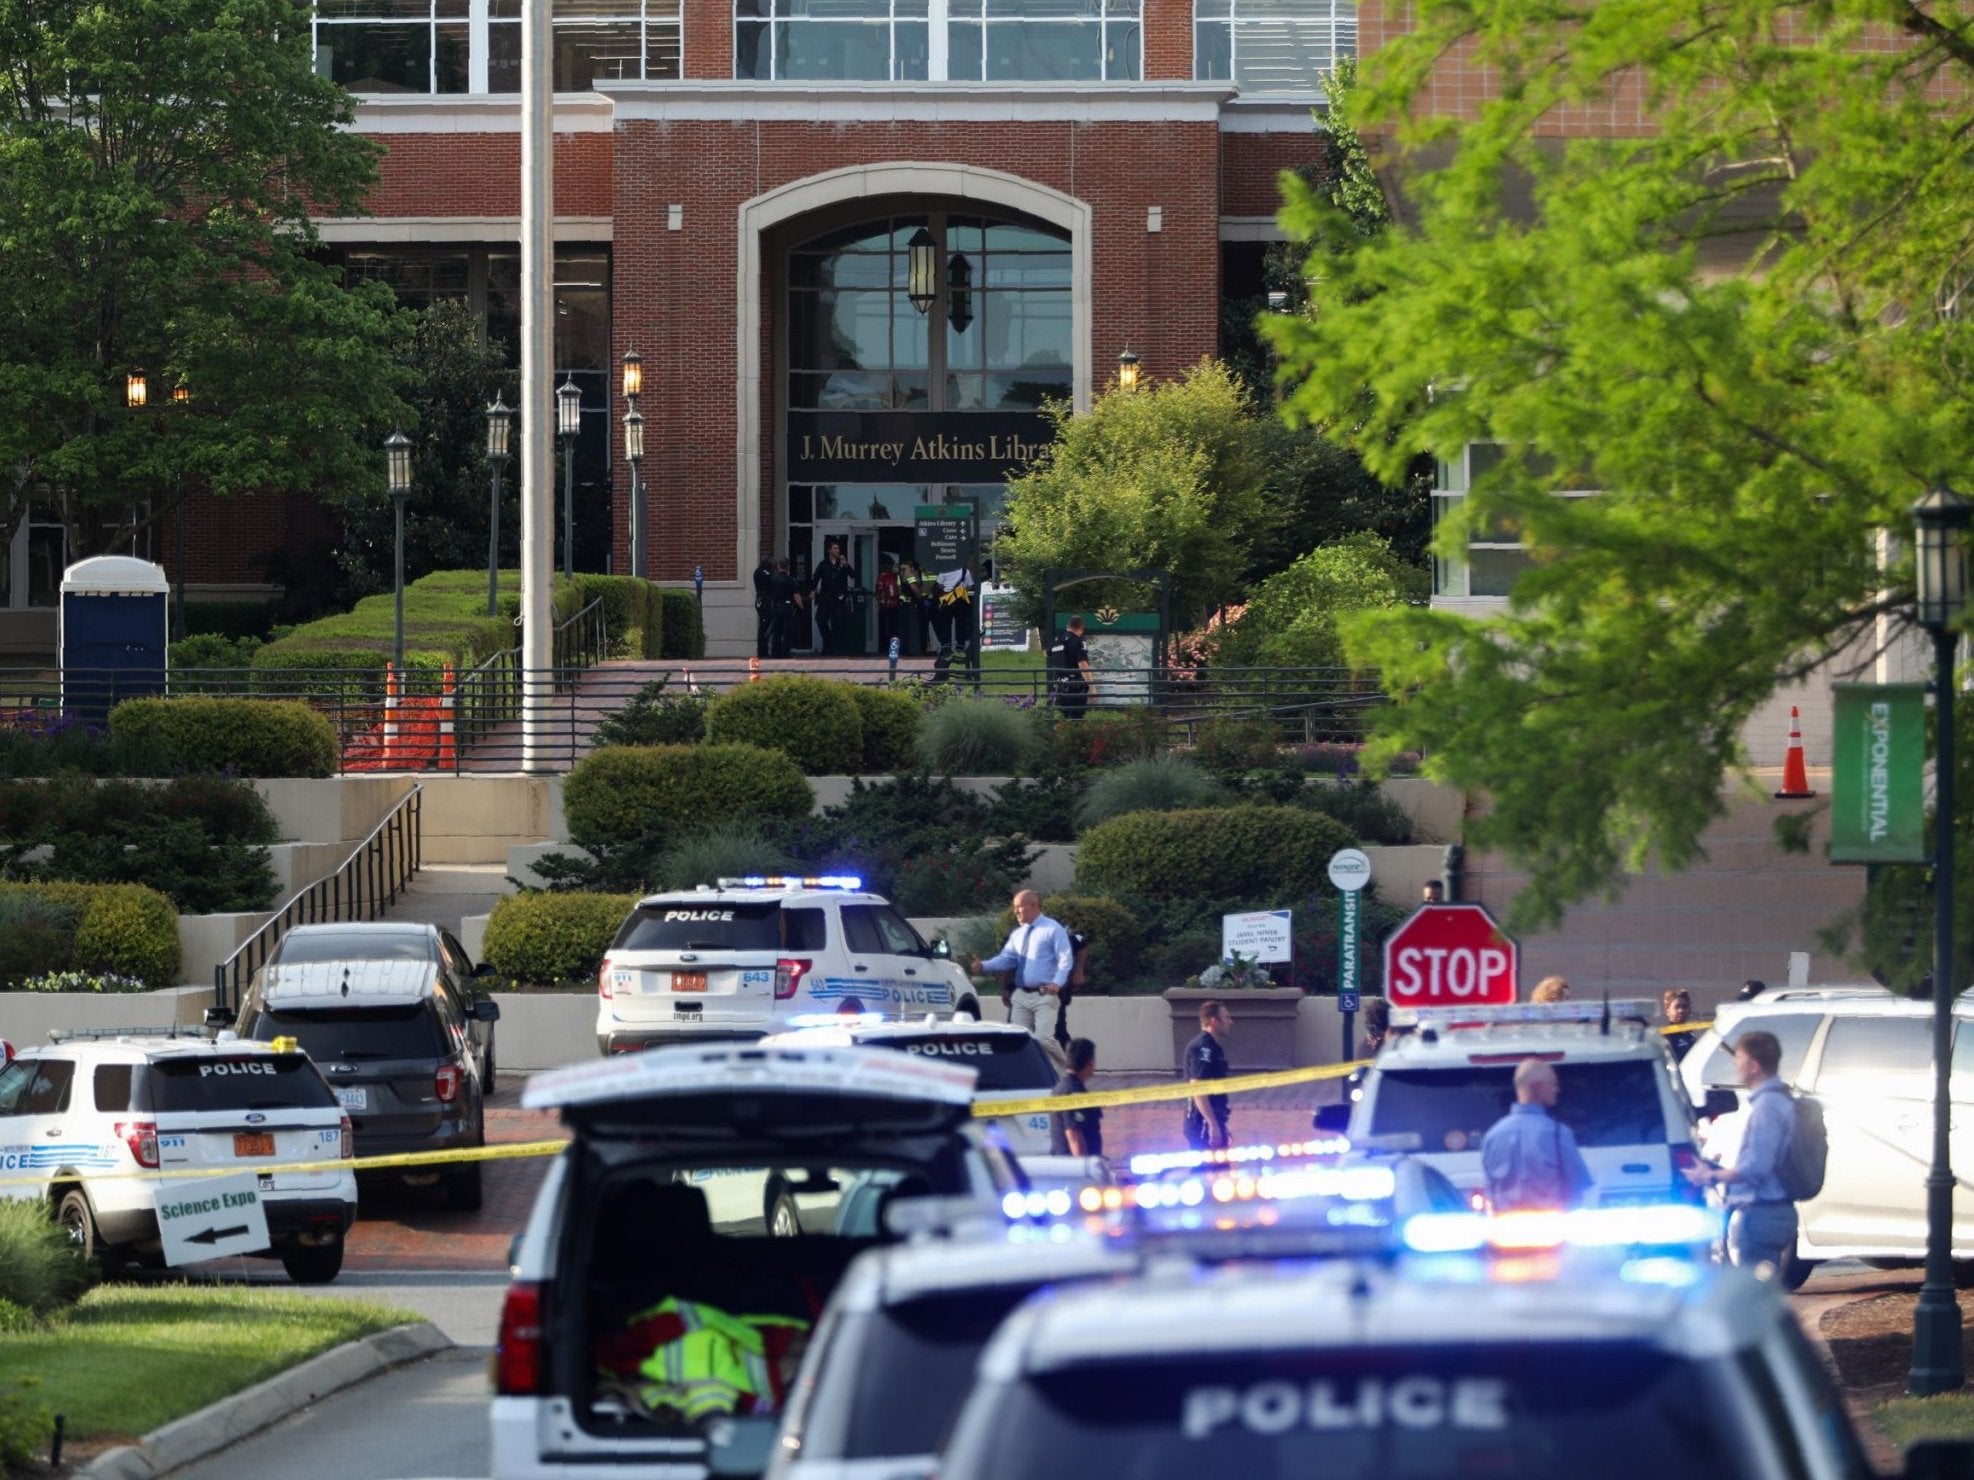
393 1017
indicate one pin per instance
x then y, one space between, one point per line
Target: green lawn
128 1358
1948 1416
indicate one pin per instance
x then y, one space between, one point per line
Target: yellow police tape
1151 1094
354 1164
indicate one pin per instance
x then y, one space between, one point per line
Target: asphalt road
427 1421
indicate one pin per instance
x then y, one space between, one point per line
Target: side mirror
218 1017
1940 1459
487 1010
1719 1102
1333 1120
483 969
942 949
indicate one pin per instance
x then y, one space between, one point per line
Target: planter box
1264 1035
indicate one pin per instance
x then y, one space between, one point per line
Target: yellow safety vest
718 1360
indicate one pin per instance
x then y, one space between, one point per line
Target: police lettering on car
1413 1402
951 1047
705 916
237 1066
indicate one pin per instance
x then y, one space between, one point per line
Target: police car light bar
1152 1163
1269 1184
793 881
1658 1226
1629 1009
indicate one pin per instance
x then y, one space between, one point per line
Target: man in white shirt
1041 958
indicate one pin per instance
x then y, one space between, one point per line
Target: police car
657 1205
1011 1063
751 955
1447 1074
1360 1369
80 1117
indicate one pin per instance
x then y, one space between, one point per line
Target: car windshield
1004 1060
701 927
256 1081
1793 1030
346 1033
300 947
1547 1412
1606 1103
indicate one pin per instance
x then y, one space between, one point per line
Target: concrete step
445 894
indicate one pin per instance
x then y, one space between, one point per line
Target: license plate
688 981
354 1099
253 1143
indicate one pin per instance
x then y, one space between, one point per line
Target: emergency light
1269 1184
1629 1009
1656 1225
793 881
1151 1163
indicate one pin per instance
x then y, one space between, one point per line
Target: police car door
878 974
921 986
59 1141
17 1138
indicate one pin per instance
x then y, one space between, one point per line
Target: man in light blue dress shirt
1531 1160
1761 1220
1041 958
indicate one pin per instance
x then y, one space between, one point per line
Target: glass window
1878 1055
111 1086
1793 1030
831 40
680 927
860 931
804 930
352 945
355 1034
890 40
14 1080
899 937
50 1094
425 46
1272 46
1606 1104
261 1081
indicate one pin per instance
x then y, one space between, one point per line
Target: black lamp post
181 397
1940 522
1127 371
500 420
568 422
633 388
634 454
397 453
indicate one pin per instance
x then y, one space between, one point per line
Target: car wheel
967 1006
313 1264
780 1216
79 1223
1796 1269
464 1188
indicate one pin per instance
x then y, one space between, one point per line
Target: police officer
784 602
1069 671
764 575
833 583
1205 1059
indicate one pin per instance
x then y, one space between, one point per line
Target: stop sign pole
1450 955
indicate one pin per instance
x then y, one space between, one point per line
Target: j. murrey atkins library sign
913 446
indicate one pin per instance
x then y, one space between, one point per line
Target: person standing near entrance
1041 958
764 575
784 606
889 608
1069 671
833 584
952 617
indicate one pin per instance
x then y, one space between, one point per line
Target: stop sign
1450 955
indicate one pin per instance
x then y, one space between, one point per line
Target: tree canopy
1747 328
159 162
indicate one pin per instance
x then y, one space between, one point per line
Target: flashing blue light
1664 1225
1660 1269
1152 1163
1445 1233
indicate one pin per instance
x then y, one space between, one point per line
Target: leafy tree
1291 619
159 161
1166 477
1594 306
452 373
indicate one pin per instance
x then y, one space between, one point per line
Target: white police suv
1447 1074
751 955
81 1119
1361 1369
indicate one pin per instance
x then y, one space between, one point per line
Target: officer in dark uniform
833 583
1206 1059
784 601
764 575
1069 671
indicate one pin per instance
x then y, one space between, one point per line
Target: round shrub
128 930
621 794
891 726
249 737
977 737
654 717
1225 852
543 939
1161 783
813 721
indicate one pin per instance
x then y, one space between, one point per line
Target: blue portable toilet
115 627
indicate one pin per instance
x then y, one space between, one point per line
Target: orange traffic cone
390 716
753 670
1795 774
448 753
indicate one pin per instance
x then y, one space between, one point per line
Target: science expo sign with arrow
211 1217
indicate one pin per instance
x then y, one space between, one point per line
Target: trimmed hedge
545 939
891 725
1227 852
623 794
633 610
811 720
684 632
125 929
249 737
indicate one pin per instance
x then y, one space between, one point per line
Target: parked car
662 1199
81 1115
1869 1061
757 955
405 1041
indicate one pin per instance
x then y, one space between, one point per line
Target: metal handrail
369 881
583 640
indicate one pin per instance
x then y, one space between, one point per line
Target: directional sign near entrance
1450 955
207 1217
